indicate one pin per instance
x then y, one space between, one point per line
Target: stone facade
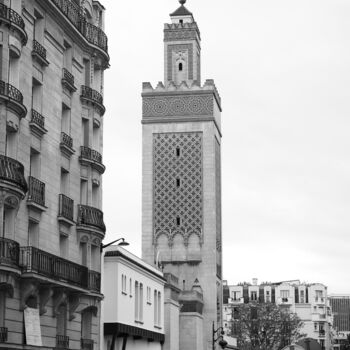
53 56
181 213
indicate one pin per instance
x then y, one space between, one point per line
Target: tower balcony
14 21
9 253
37 262
66 209
94 281
62 342
36 193
68 80
37 124
94 36
91 219
93 97
12 175
66 144
13 98
91 157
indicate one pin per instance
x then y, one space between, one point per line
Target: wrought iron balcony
36 191
62 342
66 144
37 123
91 33
13 19
39 52
94 281
92 157
9 253
86 344
94 97
12 173
90 216
66 207
35 260
68 80
13 97
3 334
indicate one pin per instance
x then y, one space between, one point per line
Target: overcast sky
283 72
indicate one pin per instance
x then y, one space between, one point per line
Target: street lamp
123 243
222 342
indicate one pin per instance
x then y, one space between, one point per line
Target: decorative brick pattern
178 106
178 35
175 48
177 184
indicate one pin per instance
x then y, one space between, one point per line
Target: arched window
180 67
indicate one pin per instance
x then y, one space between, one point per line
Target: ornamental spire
182 2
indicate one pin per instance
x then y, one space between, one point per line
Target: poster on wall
32 326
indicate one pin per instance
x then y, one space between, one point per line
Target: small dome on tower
181 11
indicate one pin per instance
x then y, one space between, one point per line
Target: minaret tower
181 193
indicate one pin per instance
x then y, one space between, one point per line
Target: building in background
340 305
308 301
53 56
181 224
134 302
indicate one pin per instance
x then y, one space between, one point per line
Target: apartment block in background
309 301
53 54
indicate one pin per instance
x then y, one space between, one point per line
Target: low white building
133 303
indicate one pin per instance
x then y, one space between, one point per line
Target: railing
38 119
66 140
36 191
91 33
9 252
91 94
39 49
62 342
10 91
171 279
87 344
3 334
12 171
94 281
321 333
38 261
66 207
90 216
12 16
68 76
88 153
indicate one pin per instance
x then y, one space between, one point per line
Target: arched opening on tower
180 67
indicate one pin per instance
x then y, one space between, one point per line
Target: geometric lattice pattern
177 183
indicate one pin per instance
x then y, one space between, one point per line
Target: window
136 301
302 296
141 303
149 295
155 308
285 295
124 284
159 309
64 181
253 295
83 191
236 296
65 119
33 234
86 324
267 298
67 56
178 182
63 246
130 287
181 21
37 92
180 67
62 320
178 221
178 152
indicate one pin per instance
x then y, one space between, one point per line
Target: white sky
282 70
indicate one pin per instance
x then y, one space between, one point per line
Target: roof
181 11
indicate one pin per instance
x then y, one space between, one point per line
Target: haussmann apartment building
53 54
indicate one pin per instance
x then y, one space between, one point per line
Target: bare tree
264 326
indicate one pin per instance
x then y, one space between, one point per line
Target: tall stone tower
181 205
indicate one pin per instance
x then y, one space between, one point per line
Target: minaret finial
182 2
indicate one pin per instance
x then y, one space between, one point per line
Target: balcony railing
43 263
66 140
36 191
90 216
92 156
62 342
3 334
87 344
68 80
9 252
12 171
94 281
91 33
38 119
40 52
13 18
93 96
13 96
66 207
